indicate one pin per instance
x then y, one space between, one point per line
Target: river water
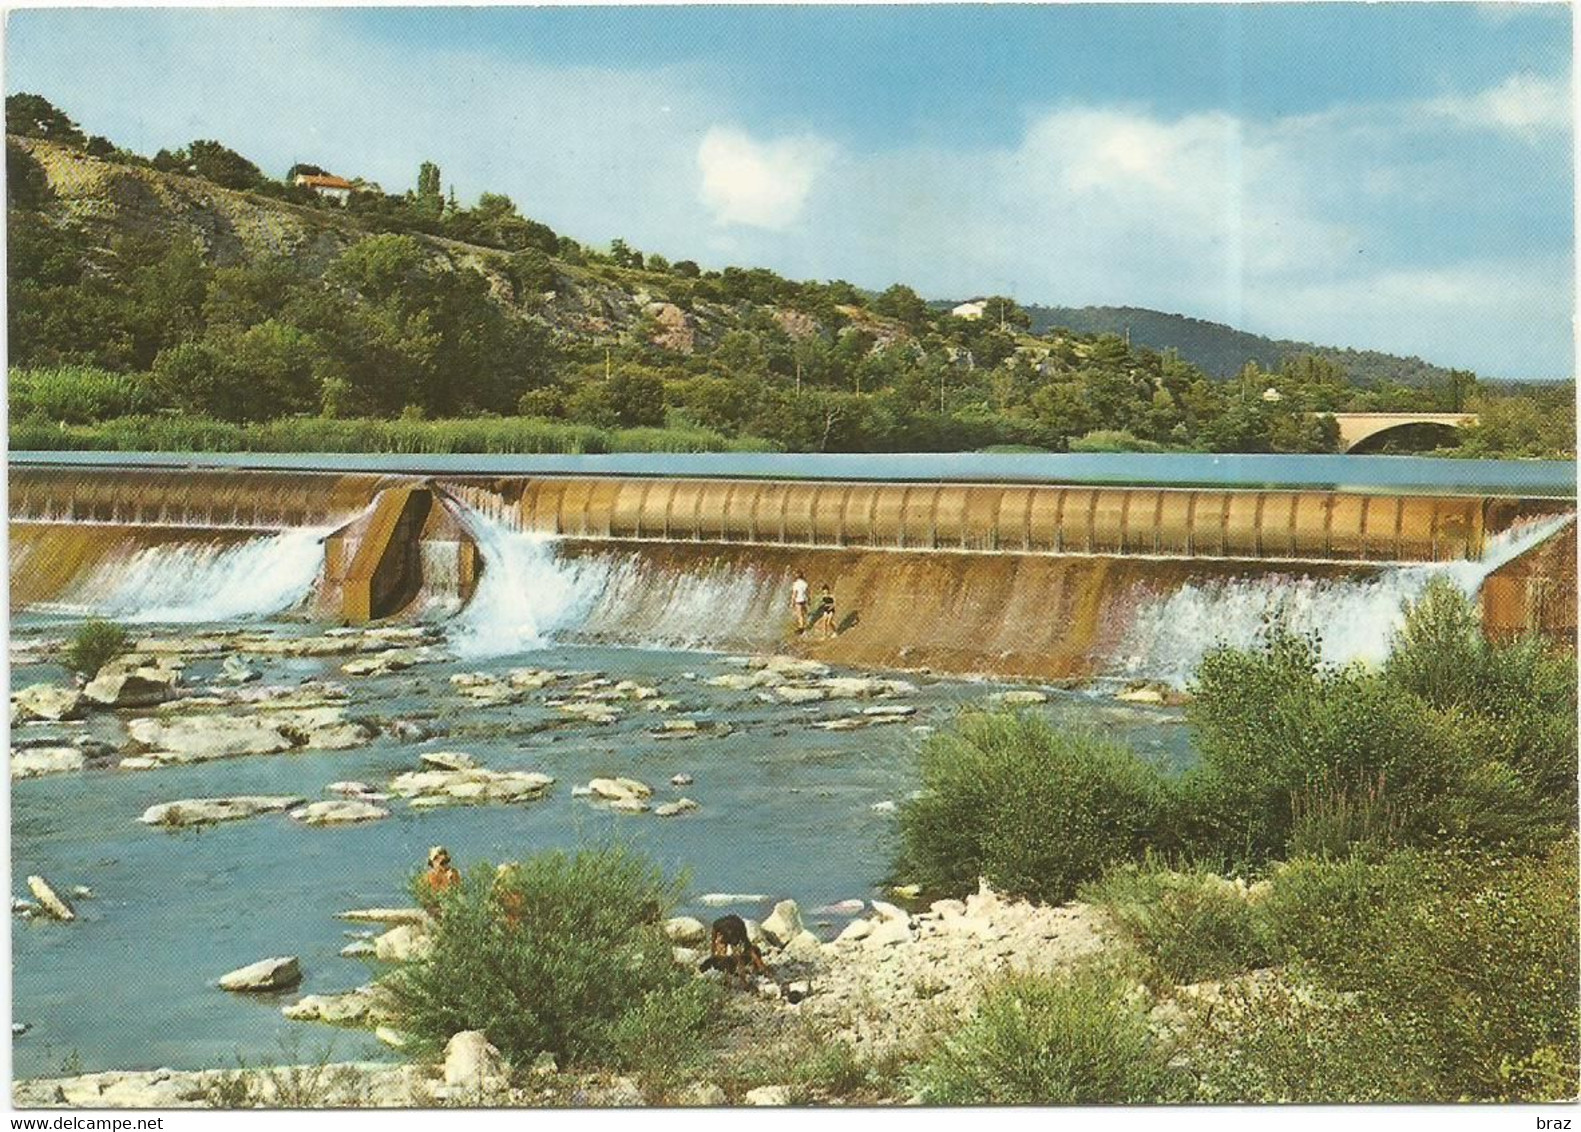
787 809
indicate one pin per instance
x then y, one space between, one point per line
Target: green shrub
1283 735
78 394
1275 1044
1035 809
1114 440
1469 954
1046 1041
360 434
1516 700
95 644
581 969
1189 925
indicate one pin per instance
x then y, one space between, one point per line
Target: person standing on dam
799 601
826 612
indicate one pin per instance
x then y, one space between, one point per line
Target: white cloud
762 184
1527 105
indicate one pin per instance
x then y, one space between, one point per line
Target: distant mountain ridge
1222 350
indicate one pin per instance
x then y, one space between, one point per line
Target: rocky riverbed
888 983
341 756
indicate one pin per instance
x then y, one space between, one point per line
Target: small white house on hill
971 310
337 189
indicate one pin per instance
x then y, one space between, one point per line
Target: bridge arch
1363 432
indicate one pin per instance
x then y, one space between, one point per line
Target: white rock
887 911
471 1063
279 973
720 899
682 780
391 1037
623 1092
790 665
885 807
615 789
804 947
797 694
384 916
704 1094
1145 694
142 687
768 1096
348 787
203 811
406 943
783 924
675 725
890 711
448 760
887 933
855 930
38 761
685 930
358 949
679 806
46 701
53 902
340 812
842 908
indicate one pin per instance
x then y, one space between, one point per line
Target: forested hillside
189 300
1222 350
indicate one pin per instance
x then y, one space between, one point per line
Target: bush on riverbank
1034 808
1428 975
95 644
502 435
1467 950
1455 736
1189 925
77 394
1052 1041
562 953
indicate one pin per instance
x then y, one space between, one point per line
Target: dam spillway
1017 578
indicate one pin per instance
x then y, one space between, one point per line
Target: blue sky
1393 176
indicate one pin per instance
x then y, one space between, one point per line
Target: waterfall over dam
1017 578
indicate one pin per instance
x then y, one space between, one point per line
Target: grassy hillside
190 300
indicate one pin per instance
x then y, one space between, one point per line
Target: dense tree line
399 324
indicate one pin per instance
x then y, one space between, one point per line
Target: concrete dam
1035 579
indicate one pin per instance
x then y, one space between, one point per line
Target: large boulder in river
280 973
198 738
447 760
47 702
203 811
51 901
201 737
139 687
340 811
405 943
478 785
38 761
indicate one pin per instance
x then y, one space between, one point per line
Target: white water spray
1354 618
524 593
182 583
